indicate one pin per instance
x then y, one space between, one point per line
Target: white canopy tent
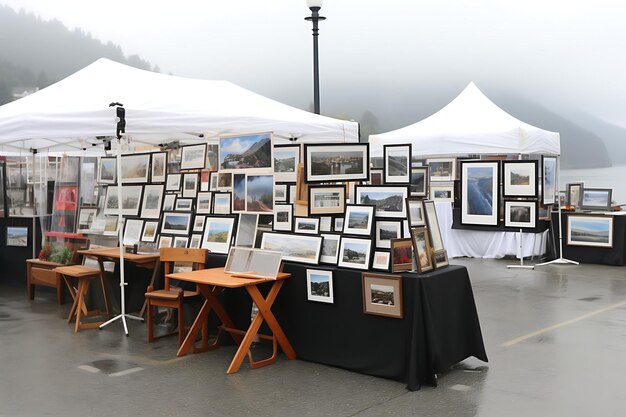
470 124
158 107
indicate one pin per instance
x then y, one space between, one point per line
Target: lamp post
315 6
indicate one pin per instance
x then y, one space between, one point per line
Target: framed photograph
596 199
17 236
479 193
190 185
327 199
355 253
180 242
86 216
183 204
112 226
280 193
296 248
330 248
397 163
421 249
165 241
376 176
415 212
168 202
257 262
198 224
306 225
176 223
548 180
204 180
286 160
131 200
401 255
331 162
149 233
440 259
520 214
195 241
419 181
574 193
212 156
193 156
107 170
250 152
385 230
382 295
132 231
442 192
588 230
173 182
326 224
545 212
246 230
283 217
292 193
224 181
135 168
302 188
239 193
442 169
433 225
319 285
152 201
339 224
260 194
388 199
519 179
358 220
381 260
203 203
213 181
221 203
218 233
158 166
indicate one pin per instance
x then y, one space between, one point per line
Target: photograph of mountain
246 152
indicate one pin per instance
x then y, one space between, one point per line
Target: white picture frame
294 247
283 217
152 202
330 248
132 231
319 284
358 219
355 253
158 167
131 200
218 233
149 232
381 260
204 202
520 214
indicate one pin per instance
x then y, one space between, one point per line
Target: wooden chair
173 297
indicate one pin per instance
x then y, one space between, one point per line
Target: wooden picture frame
589 230
401 254
479 193
397 163
193 156
321 159
382 295
422 249
302 188
326 200
440 259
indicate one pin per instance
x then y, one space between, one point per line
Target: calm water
612 177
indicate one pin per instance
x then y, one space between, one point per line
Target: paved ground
556 340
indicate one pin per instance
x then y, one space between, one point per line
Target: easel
521 255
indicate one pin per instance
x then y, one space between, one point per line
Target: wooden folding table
211 282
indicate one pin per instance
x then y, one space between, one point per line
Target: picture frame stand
560 260
521 255
122 316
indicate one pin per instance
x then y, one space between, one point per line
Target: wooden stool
40 272
84 275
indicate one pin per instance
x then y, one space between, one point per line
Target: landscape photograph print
596 199
382 295
330 248
135 168
260 193
397 163
218 233
17 236
286 160
319 285
159 164
107 170
251 152
354 253
520 178
176 223
296 248
358 220
239 193
520 214
388 200
193 156
336 162
479 193
419 181
548 184
588 230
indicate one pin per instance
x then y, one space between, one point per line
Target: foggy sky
387 57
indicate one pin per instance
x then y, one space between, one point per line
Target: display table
594 255
440 326
485 243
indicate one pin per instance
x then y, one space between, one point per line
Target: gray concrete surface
573 362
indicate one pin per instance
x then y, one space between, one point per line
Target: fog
399 60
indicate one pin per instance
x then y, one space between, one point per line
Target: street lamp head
314 4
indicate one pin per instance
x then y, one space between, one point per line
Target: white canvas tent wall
157 106
470 124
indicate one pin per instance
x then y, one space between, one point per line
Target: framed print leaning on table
588 230
336 162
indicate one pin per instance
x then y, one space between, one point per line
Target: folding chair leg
150 323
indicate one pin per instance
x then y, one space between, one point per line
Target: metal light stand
560 260
123 315
315 18
521 256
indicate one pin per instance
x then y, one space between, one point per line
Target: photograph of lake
243 152
595 198
589 230
479 190
334 163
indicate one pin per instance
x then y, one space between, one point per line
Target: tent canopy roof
158 107
470 124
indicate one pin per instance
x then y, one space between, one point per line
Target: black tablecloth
593 255
440 326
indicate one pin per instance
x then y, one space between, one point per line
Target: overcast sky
384 56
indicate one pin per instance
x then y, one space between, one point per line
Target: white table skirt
484 244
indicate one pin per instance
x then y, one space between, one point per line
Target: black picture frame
471 207
196 163
333 148
387 168
510 190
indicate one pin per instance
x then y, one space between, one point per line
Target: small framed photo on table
421 248
382 295
520 214
596 199
327 199
397 164
319 283
401 255
419 181
193 156
574 193
589 230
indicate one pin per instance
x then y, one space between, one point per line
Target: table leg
82 289
107 299
74 294
197 324
155 271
